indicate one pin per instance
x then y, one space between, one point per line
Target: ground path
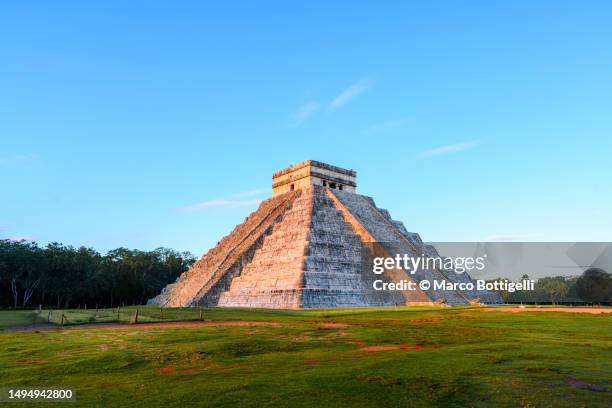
216 323
47 326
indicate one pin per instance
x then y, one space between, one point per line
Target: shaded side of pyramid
394 239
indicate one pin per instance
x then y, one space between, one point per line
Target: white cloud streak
351 93
221 203
304 112
241 199
449 149
252 193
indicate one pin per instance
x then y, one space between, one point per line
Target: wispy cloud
388 125
252 193
18 159
21 238
449 149
220 203
304 112
241 199
351 93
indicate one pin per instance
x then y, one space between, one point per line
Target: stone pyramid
310 246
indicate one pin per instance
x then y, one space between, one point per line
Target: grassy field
18 318
408 357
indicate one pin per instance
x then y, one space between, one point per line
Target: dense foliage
593 286
63 276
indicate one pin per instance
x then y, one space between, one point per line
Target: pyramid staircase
309 248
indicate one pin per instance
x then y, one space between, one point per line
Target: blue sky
146 124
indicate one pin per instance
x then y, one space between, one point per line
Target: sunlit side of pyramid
308 247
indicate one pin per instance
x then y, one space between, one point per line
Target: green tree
65 276
595 285
554 287
20 266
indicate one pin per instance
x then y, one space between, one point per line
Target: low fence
125 315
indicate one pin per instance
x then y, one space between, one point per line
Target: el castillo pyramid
308 247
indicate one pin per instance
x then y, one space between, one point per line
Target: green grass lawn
455 357
18 318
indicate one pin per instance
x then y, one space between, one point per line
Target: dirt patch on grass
334 325
311 363
590 310
30 362
583 385
168 370
381 348
436 319
388 347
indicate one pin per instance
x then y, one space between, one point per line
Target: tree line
63 276
593 286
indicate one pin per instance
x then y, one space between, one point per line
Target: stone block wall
310 248
194 284
274 276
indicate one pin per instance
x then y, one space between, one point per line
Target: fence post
200 313
118 320
161 310
49 317
62 323
136 317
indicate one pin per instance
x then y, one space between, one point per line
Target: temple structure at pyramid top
311 245
312 172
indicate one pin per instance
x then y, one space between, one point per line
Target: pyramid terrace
311 245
